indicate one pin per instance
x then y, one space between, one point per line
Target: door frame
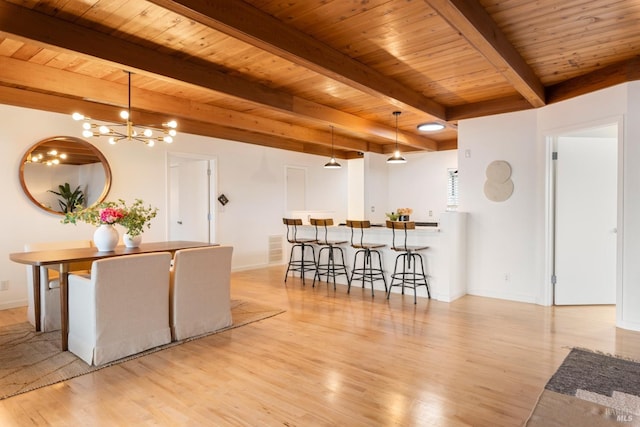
213 189
550 136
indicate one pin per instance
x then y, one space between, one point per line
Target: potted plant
137 217
70 200
104 215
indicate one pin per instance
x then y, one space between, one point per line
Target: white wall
504 240
421 183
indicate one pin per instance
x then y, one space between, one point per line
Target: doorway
584 202
191 186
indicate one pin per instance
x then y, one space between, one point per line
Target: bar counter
445 260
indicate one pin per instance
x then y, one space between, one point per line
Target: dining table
62 258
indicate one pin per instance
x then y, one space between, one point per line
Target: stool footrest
410 275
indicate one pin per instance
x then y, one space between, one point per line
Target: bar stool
409 256
300 265
368 272
330 268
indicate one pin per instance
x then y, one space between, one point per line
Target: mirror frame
99 155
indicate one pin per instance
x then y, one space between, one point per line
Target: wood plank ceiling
282 74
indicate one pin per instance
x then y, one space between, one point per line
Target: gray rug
590 389
30 360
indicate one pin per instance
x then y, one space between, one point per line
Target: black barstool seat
408 276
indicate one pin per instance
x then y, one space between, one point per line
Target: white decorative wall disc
499 185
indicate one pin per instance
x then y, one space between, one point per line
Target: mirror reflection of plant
71 200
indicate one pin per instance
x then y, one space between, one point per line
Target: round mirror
61 172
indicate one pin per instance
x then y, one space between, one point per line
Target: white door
585 227
190 186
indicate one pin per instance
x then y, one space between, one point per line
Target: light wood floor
334 359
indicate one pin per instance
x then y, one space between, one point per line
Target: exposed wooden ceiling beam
31 26
477 27
451 144
244 22
611 75
487 108
44 79
35 100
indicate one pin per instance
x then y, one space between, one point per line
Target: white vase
132 242
105 238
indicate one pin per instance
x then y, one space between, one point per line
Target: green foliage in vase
137 217
133 218
70 200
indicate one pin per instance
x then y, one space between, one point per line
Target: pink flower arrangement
111 215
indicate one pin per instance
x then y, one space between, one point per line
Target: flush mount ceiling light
128 131
430 127
396 158
332 164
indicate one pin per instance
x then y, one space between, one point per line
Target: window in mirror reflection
59 172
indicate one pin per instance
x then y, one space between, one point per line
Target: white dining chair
50 283
121 309
200 291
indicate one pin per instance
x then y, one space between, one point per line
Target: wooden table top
58 256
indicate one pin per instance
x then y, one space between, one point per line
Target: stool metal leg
330 268
367 272
410 276
302 265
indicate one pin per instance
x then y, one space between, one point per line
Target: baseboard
13 304
531 299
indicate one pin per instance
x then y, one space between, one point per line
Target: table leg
64 305
35 271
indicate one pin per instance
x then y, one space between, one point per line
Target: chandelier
117 132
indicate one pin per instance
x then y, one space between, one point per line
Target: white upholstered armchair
49 283
122 309
200 291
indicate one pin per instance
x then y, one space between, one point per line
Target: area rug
590 389
30 360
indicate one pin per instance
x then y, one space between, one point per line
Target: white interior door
585 226
190 200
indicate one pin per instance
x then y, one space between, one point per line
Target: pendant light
396 158
332 164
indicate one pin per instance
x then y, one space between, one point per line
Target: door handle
180 222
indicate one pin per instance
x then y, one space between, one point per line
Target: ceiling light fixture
128 131
332 164
396 158
430 127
